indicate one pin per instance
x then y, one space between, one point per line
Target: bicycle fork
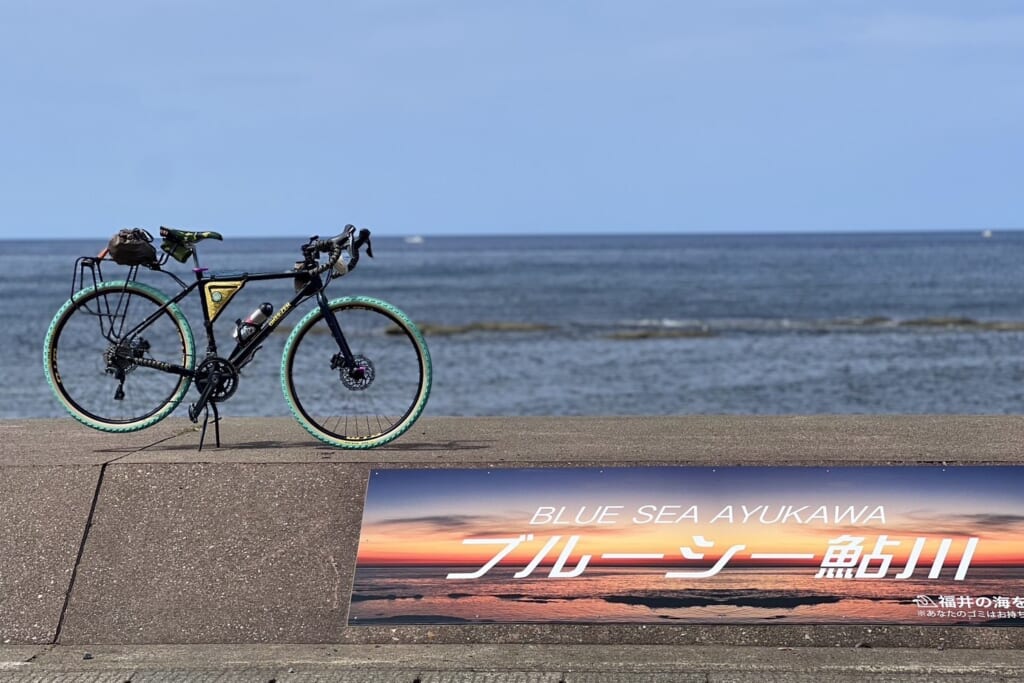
344 358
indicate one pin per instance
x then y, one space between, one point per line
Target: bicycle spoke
95 372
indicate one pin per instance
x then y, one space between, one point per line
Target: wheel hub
120 357
360 377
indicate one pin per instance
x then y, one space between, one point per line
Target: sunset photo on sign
733 544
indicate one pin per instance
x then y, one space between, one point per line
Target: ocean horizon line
622 232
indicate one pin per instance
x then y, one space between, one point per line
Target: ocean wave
433 329
414 619
390 597
676 328
682 328
967 323
726 598
711 598
628 335
445 330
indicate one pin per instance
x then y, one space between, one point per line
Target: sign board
746 545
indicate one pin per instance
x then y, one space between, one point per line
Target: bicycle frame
213 307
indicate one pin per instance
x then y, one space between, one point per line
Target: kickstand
206 420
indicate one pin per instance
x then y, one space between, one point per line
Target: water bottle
245 328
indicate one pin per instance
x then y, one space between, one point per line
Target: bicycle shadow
451 445
275 445
228 446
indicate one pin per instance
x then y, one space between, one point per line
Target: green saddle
179 243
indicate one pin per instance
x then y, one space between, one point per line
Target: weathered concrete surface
218 553
43 511
547 441
255 543
31 443
546 663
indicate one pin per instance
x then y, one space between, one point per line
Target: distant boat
414 239
986 234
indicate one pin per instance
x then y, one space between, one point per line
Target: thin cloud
440 522
983 525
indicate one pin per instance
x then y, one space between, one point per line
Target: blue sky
413 117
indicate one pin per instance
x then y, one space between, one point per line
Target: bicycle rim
379 403
90 351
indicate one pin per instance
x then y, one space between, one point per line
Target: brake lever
364 238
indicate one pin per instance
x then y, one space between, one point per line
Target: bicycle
120 355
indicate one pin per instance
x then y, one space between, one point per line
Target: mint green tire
368 405
98 356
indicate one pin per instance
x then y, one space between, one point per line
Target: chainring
227 380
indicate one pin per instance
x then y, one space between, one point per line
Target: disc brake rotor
360 377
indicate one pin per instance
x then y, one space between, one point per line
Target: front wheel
366 405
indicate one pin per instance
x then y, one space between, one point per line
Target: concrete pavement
158 560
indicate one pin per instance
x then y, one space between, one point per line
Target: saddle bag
132 247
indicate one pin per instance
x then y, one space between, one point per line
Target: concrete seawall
132 541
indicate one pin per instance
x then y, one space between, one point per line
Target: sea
622 324
421 595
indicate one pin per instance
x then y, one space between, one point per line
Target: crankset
216 378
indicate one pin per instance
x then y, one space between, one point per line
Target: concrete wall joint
81 552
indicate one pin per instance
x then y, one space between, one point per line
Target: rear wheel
99 357
371 403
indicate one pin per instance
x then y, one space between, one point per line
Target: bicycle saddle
189 237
